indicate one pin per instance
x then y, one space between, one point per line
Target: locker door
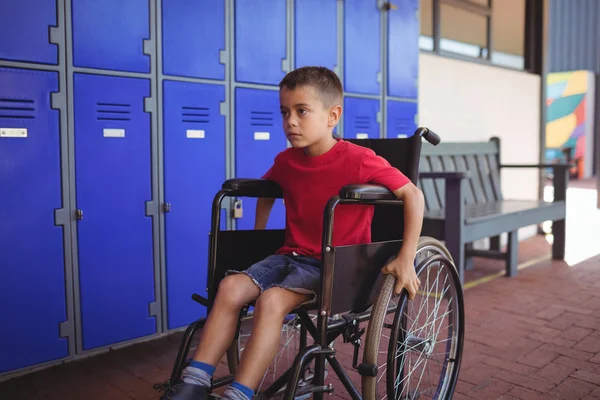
259 137
113 184
401 119
403 50
26 31
360 121
361 46
110 34
316 33
194 143
193 35
260 39
32 267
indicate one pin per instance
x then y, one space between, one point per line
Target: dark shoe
186 391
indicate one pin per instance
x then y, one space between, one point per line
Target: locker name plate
362 135
13 132
114 133
195 133
262 135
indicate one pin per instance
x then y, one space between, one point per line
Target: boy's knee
270 303
237 290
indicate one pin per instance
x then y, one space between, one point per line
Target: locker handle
79 214
167 207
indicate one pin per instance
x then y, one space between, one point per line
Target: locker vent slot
17 108
361 122
113 112
261 118
198 115
402 125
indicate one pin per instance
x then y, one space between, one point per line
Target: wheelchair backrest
404 154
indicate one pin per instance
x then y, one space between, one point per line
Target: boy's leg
234 292
271 308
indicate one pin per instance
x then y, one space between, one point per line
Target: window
486 30
508 33
463 32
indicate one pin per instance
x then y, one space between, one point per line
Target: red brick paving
534 336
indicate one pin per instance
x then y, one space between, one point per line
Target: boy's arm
376 169
263 210
264 205
402 267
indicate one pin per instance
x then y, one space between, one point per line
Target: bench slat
495 176
461 166
436 165
427 186
484 174
475 180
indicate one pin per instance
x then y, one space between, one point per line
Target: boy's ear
335 113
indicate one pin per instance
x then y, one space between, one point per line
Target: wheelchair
412 349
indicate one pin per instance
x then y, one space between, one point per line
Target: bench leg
495 243
558 246
512 253
468 259
457 249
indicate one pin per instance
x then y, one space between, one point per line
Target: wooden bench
464 202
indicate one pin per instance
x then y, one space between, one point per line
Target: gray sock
196 376
233 393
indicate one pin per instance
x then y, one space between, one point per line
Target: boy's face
306 120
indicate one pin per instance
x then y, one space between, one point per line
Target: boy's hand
402 267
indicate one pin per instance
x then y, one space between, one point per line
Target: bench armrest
367 192
452 175
245 187
560 180
557 165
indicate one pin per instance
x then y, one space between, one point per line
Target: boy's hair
323 80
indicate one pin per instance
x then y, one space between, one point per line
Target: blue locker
193 35
194 143
361 46
401 119
259 137
316 33
26 29
260 41
32 266
360 118
403 50
110 34
113 184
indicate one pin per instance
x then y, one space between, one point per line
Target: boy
313 170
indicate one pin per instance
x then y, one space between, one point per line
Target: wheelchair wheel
417 345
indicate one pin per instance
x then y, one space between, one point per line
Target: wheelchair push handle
429 135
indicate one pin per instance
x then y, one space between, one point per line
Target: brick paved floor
535 336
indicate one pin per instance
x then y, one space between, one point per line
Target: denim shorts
297 273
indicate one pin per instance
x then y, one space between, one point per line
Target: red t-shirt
309 182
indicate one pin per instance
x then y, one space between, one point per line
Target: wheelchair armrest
366 192
247 187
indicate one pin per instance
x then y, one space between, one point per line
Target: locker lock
238 210
79 214
167 207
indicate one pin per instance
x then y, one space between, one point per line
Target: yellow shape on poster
577 84
557 77
559 131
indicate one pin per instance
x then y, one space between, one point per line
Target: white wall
466 101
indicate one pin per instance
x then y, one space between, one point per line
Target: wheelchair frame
325 331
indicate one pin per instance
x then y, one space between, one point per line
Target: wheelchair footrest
199 299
